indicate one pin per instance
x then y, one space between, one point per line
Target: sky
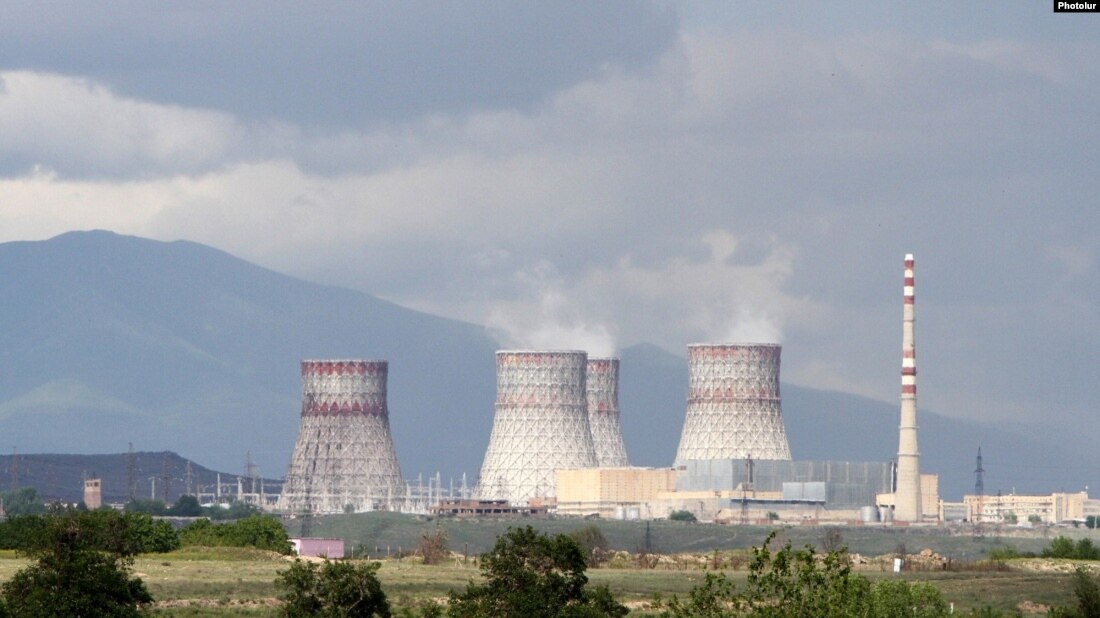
597 175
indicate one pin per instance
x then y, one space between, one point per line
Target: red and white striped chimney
907 498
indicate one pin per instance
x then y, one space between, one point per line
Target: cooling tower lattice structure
541 424
602 388
733 409
344 454
907 500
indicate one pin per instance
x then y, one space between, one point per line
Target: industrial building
735 491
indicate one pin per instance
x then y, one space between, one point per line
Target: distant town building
93 493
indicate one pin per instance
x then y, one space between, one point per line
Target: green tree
22 501
681 516
533 575
152 507
149 535
1010 518
17 532
82 568
186 506
333 590
1060 547
1085 550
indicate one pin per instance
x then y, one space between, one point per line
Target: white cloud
76 124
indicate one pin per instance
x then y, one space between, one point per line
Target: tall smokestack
907 500
540 425
602 386
733 408
344 454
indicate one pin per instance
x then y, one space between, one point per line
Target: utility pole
190 479
745 488
979 490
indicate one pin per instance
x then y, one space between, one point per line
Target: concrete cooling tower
602 387
541 424
344 454
733 409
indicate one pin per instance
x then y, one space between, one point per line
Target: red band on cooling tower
909 281
349 367
318 408
909 300
908 371
908 389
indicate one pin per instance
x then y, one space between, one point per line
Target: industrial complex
556 447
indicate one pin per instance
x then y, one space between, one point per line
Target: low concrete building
612 493
1056 508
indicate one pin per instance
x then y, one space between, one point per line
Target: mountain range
111 339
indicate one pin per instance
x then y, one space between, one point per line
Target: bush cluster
259 531
1062 547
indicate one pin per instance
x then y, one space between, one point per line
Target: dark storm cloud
333 64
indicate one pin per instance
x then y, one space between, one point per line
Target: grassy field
234 582
237 582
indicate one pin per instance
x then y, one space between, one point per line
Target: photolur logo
1061 6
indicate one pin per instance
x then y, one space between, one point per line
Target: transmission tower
14 468
166 479
979 491
131 472
51 484
190 479
250 472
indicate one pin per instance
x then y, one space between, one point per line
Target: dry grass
234 582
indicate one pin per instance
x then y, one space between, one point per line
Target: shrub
592 542
682 516
792 582
259 531
334 589
432 547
